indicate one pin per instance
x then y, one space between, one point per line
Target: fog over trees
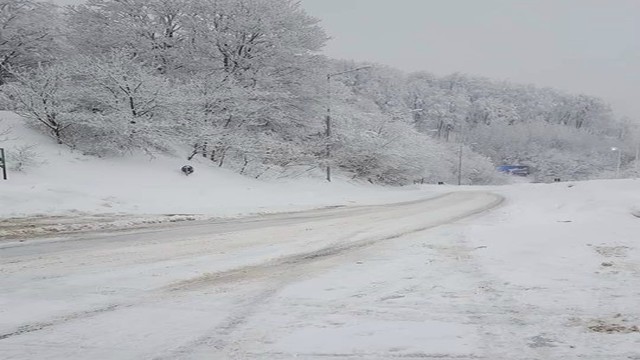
243 84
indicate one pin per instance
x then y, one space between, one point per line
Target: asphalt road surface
232 289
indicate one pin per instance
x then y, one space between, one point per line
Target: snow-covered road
542 277
195 290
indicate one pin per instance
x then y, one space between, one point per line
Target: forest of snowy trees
243 84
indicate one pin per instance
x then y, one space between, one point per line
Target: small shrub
22 158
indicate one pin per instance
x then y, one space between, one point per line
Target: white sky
585 46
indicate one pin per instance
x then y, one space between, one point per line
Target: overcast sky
586 46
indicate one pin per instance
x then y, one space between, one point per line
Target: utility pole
463 140
463 135
619 160
327 131
460 164
619 164
637 156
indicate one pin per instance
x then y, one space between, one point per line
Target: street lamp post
328 117
619 162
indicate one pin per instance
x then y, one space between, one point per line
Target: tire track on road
281 273
284 269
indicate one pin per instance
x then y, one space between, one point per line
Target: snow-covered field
553 272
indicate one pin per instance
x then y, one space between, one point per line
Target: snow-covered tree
150 30
29 36
241 83
251 39
125 103
41 96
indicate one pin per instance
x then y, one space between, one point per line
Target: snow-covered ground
551 273
564 265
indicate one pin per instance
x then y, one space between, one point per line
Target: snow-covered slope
66 182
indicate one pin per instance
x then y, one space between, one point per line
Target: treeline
242 83
557 134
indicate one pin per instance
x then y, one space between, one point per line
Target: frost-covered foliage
123 105
384 146
29 35
39 95
557 134
240 82
553 150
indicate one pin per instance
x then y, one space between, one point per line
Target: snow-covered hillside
64 182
